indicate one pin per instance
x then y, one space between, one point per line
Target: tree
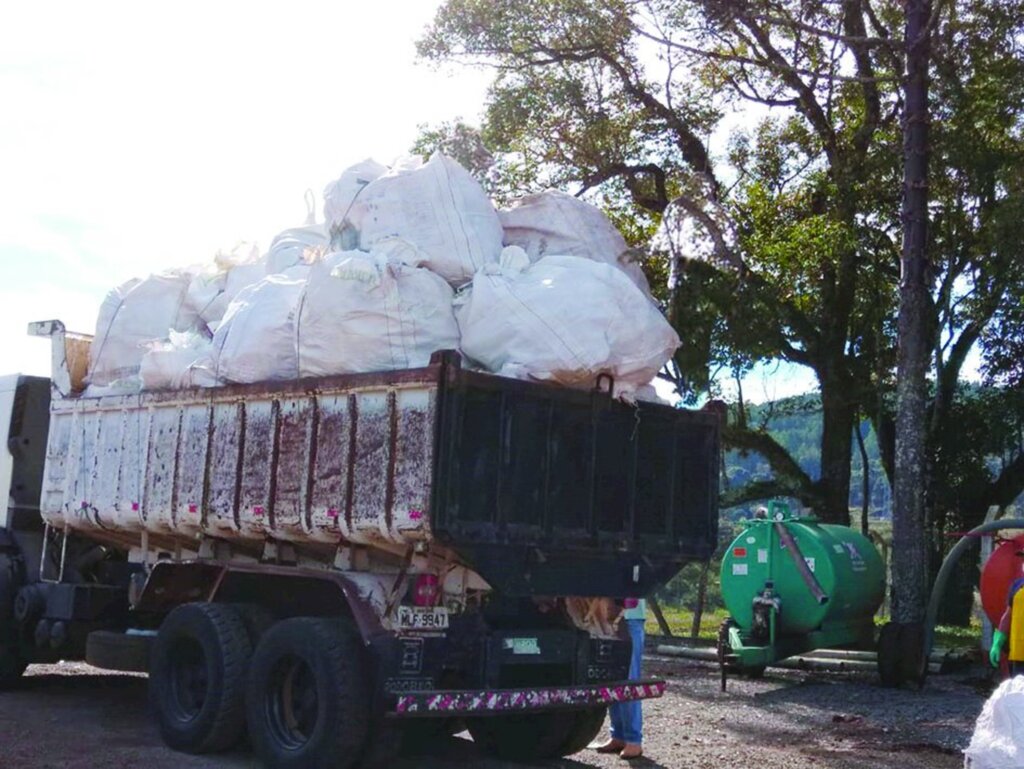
976 202
909 543
575 101
760 140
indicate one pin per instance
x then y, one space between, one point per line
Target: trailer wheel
12 661
531 737
308 697
197 677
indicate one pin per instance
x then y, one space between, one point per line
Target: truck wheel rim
293 705
189 680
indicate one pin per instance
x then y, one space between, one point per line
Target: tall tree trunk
702 594
865 480
910 550
838 417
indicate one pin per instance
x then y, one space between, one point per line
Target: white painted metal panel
315 467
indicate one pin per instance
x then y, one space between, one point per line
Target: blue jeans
627 717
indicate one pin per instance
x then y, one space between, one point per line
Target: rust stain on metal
290 461
312 443
350 485
370 468
330 466
389 484
296 464
225 467
256 477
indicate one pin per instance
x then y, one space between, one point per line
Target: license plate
422 618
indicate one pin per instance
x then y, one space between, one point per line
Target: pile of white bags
169 365
563 319
339 196
256 340
295 247
371 289
214 287
355 312
440 208
558 224
998 739
368 312
132 317
298 245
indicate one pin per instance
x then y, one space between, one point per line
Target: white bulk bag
998 739
133 315
167 365
564 319
341 193
255 342
554 222
366 312
296 246
440 208
213 288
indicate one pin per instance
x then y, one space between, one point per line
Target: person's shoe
631 751
611 746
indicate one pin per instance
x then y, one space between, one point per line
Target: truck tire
520 737
308 698
197 677
586 728
12 660
111 650
257 620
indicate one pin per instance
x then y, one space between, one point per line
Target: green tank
792 585
844 563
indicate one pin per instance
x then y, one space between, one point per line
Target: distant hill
796 424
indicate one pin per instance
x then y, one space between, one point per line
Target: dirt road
72 716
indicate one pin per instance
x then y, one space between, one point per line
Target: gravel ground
74 716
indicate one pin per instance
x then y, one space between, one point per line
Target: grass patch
680 621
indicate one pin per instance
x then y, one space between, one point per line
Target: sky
139 136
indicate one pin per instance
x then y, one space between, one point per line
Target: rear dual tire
197 677
308 698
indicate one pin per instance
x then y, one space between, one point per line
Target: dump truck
333 566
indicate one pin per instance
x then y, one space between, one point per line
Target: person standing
627 717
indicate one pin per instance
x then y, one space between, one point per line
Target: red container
999 572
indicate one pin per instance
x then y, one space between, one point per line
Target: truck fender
288 591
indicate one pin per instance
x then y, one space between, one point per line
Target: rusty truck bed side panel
313 461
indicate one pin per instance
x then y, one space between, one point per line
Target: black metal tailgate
552 491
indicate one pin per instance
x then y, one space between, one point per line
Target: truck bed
541 489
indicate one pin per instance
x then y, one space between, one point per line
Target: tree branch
690 145
780 66
808 104
853 23
755 491
786 469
